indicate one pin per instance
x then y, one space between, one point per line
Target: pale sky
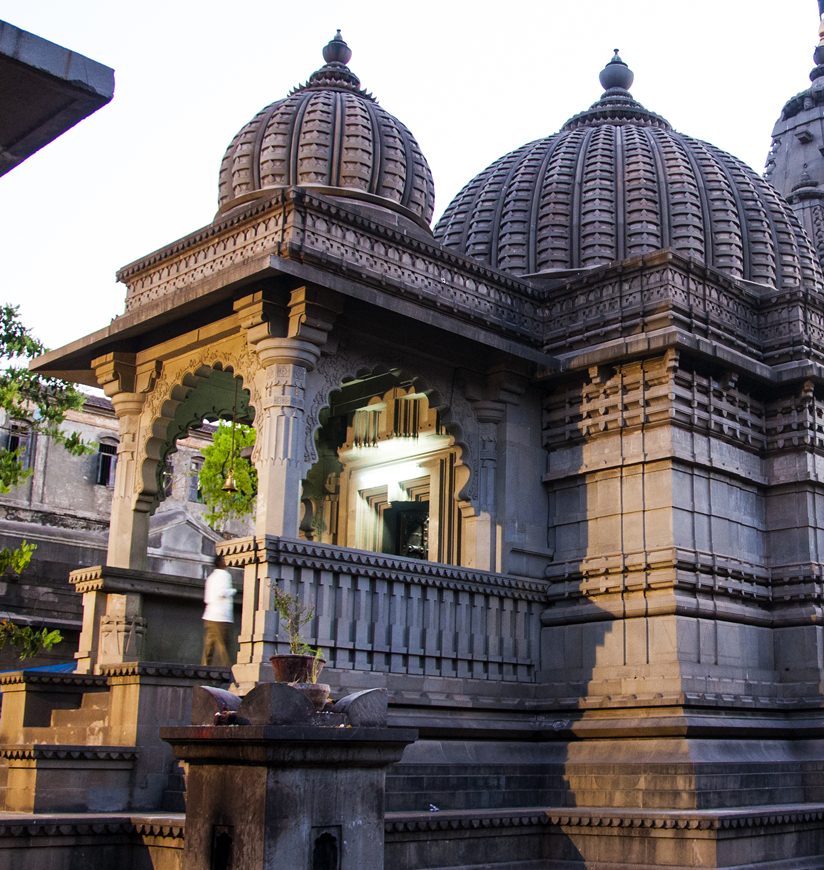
471 80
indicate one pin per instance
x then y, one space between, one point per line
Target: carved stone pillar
487 528
129 523
281 433
280 450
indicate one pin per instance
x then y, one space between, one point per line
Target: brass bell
229 484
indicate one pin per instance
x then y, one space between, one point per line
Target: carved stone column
129 524
280 449
281 433
487 529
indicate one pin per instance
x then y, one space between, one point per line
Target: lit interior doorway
386 478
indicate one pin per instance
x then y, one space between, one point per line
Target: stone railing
375 612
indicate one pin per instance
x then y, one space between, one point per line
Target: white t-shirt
218 596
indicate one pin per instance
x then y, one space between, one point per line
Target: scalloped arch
182 396
343 368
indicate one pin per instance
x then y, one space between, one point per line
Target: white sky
471 80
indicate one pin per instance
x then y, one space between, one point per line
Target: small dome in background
331 135
616 182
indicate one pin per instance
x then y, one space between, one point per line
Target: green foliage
294 614
40 404
16 561
217 461
26 640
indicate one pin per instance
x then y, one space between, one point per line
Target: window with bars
106 463
195 492
17 436
167 477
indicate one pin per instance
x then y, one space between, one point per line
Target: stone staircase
90 743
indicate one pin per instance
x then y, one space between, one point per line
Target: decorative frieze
646 294
311 229
52 752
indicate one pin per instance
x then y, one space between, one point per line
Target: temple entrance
385 477
406 530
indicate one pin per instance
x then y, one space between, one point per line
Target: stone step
174 795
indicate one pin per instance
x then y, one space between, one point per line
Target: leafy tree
38 403
218 460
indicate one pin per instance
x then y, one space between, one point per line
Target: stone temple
550 474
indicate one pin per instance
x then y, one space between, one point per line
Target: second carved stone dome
330 135
616 182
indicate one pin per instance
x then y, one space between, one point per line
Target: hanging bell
229 484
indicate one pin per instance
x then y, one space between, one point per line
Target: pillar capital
287 351
489 411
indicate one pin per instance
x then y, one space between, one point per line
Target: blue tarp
57 668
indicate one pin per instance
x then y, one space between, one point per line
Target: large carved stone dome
332 136
617 181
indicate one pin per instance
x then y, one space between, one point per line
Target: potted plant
301 666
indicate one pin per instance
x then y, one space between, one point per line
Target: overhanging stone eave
54 89
312 237
657 342
676 338
415 311
73 361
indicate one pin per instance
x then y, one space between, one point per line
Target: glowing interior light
391 477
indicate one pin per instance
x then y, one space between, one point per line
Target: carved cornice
331 237
44 678
159 828
168 670
93 825
687 582
665 290
308 228
103 578
706 820
305 554
47 752
252 210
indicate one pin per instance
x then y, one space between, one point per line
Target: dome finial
616 74
335 73
337 51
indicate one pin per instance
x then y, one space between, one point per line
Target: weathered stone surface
275 704
282 796
367 707
209 700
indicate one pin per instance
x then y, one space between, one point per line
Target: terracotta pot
290 668
317 693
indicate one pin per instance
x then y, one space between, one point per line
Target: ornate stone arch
456 412
169 412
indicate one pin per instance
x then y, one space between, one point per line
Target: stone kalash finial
335 73
616 104
616 74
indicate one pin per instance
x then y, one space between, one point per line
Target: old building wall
63 508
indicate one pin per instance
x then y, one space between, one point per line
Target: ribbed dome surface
617 181
330 134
